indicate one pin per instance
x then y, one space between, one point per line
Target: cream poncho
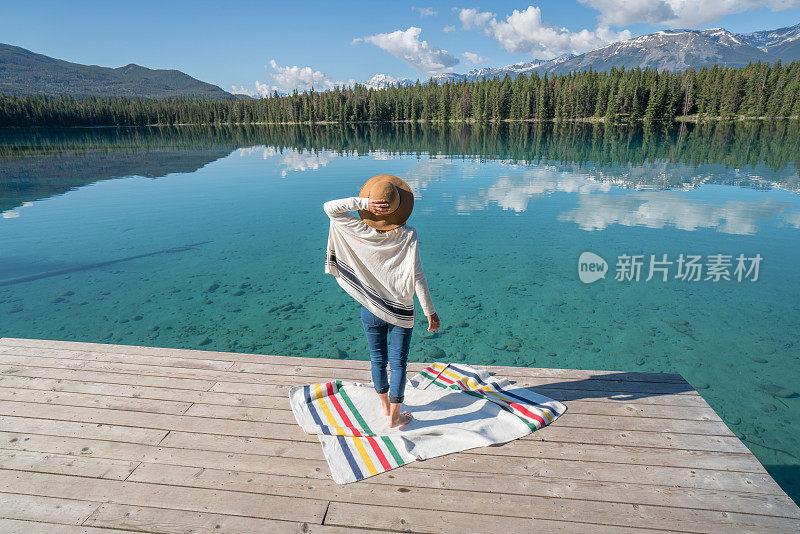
381 270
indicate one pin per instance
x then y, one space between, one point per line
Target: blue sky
295 44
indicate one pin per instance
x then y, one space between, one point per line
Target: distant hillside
26 72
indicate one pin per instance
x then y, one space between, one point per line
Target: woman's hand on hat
433 323
378 207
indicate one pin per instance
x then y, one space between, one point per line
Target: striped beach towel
455 408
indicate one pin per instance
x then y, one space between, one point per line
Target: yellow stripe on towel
488 390
356 440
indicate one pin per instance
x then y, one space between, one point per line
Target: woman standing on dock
375 259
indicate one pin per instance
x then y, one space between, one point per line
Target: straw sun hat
394 191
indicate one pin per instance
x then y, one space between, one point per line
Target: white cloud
449 29
473 58
524 32
424 11
471 18
303 78
407 46
677 13
261 90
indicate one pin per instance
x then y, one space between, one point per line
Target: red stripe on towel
348 424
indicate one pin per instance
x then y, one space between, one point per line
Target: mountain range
26 72
664 50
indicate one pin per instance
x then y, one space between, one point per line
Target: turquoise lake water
215 239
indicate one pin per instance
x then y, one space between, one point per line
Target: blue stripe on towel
313 411
343 443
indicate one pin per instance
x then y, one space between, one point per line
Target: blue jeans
396 355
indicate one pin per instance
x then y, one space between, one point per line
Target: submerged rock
777 391
436 353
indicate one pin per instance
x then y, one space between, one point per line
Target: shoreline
680 119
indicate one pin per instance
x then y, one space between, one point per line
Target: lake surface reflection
213 238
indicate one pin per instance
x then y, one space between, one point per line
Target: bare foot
401 420
385 403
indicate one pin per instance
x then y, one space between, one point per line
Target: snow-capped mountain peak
382 81
772 38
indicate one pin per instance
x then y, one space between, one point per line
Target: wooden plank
144 392
435 521
321 362
305 375
109 378
47 509
248 504
76 429
115 357
149 420
47 462
16 526
661 440
413 520
108 401
484 504
165 521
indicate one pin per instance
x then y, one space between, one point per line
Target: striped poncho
455 407
380 270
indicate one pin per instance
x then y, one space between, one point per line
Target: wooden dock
108 438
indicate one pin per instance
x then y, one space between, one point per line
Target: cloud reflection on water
293 160
631 196
657 209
